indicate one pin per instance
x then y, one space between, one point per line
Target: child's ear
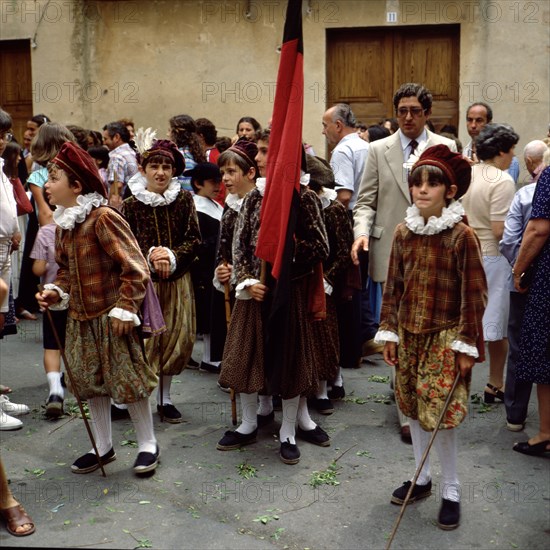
451 191
251 173
141 170
77 187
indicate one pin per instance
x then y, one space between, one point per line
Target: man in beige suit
384 196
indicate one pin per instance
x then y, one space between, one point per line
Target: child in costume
434 299
243 366
335 268
239 173
102 278
210 307
43 254
163 218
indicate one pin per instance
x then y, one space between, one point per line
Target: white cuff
328 287
217 285
170 254
64 303
124 315
241 291
461 347
383 336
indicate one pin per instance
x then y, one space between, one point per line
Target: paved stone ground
200 498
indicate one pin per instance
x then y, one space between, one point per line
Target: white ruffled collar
138 187
450 216
260 184
67 218
234 202
327 196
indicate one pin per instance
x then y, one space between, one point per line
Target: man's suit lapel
394 158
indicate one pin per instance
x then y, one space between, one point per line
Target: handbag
24 205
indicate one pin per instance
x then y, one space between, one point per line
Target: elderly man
518 392
384 191
355 320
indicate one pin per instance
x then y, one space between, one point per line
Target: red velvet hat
247 150
168 149
454 166
71 158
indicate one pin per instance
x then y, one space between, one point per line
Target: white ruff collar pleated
67 218
450 216
138 187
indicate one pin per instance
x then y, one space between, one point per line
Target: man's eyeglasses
415 112
6 136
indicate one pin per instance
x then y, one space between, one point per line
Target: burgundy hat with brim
168 149
247 150
453 165
74 160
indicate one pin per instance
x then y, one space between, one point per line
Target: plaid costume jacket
100 265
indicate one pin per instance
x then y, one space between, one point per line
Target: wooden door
16 83
365 66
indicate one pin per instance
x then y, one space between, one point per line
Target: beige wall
97 61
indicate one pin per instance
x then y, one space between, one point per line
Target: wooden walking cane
423 460
227 320
75 391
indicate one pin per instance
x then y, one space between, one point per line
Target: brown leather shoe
406 435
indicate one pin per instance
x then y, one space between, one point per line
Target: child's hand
121 328
257 291
223 273
46 298
390 354
160 259
464 363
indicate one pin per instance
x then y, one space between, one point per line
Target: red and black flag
281 201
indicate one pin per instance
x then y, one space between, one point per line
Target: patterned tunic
326 333
176 227
243 362
435 294
101 267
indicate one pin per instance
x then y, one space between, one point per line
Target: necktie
413 144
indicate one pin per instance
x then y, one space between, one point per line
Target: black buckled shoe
170 413
88 463
317 436
419 491
289 453
265 420
449 515
235 440
54 406
146 462
119 414
208 367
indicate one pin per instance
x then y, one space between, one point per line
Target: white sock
420 439
54 382
445 443
304 420
265 405
249 404
322 393
339 380
100 422
290 415
165 399
140 413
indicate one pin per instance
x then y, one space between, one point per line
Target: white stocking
322 393
140 413
100 422
249 404
290 415
304 420
445 443
265 405
165 399
420 439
